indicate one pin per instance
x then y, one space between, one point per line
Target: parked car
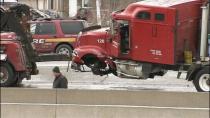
51 13
56 36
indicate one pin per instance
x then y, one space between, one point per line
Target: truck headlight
79 35
78 38
75 54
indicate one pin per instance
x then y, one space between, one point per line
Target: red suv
56 36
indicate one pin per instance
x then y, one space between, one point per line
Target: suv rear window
43 28
71 27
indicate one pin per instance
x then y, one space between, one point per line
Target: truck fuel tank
129 69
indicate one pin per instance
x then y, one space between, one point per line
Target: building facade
87 9
61 6
106 8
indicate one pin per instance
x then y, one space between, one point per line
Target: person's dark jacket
60 82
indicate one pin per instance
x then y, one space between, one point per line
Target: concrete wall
43 103
84 111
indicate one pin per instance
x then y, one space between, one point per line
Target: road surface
86 80
103 97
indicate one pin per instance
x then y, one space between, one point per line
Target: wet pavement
86 80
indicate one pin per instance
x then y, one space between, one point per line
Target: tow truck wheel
202 80
64 49
7 75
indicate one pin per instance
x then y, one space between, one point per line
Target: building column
60 7
98 11
72 8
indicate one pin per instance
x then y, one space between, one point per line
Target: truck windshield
121 27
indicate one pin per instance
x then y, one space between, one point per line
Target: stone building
86 8
61 6
107 7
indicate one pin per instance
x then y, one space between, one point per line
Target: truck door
114 40
120 45
41 32
163 35
142 36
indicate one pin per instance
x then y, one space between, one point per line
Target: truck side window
45 29
125 36
143 15
159 17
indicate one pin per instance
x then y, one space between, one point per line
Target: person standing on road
60 80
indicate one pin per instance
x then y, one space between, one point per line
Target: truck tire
64 49
7 75
202 80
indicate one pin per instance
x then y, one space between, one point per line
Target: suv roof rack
42 19
50 19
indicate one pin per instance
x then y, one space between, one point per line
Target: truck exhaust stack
204 27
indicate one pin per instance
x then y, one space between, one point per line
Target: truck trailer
148 38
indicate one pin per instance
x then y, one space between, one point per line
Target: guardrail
46 103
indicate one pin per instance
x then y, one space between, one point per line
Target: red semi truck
147 39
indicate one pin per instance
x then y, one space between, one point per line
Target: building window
86 3
159 17
143 15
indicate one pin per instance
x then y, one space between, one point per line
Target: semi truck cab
150 37
156 32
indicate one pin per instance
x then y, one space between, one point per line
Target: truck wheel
64 49
7 75
202 80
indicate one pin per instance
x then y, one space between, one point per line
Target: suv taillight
78 38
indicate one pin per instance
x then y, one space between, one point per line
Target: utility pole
98 11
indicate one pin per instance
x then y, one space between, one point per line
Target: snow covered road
86 80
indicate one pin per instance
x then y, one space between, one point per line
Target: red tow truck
148 38
18 54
